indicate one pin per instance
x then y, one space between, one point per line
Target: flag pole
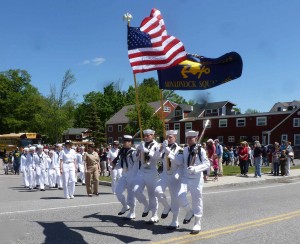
162 112
128 17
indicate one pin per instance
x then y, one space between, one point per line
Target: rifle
198 145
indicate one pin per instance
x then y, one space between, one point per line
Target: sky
48 37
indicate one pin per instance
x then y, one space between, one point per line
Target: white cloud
95 61
98 61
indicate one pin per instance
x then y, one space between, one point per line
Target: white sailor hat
59 145
68 142
210 140
191 133
149 131
82 147
26 149
46 150
171 132
127 138
39 146
116 142
32 148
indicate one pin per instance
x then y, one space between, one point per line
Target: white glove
167 150
191 170
176 176
165 143
145 150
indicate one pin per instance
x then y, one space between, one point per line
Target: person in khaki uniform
92 167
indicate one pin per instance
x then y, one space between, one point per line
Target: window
214 111
284 137
296 122
208 125
188 126
167 127
221 140
167 109
178 113
78 137
243 138
279 109
208 111
222 123
67 137
297 139
177 126
261 121
110 140
231 139
120 139
241 122
255 138
120 128
110 128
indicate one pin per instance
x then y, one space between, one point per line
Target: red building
224 123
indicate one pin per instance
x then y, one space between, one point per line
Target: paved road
234 213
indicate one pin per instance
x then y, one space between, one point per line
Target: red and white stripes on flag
150 48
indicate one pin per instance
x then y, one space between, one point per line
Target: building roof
75 131
285 105
121 118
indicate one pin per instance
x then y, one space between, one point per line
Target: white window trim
231 138
237 124
120 126
258 118
120 139
167 109
223 120
294 122
188 124
296 135
284 137
167 127
110 140
175 126
110 128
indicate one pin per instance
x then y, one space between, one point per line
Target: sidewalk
237 180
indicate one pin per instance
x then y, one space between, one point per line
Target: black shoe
83 184
34 187
121 213
172 227
43 190
163 216
195 232
60 188
145 214
186 221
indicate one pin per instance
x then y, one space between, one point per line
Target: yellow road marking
230 229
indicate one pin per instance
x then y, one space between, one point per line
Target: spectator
103 161
283 166
290 155
243 158
226 156
257 157
219 152
275 160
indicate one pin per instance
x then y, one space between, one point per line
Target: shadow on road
58 232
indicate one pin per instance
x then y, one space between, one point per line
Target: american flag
150 48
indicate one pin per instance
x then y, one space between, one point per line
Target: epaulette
180 151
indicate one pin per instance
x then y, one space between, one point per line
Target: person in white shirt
30 168
68 168
41 166
147 176
194 161
115 170
170 177
23 167
56 162
129 164
80 163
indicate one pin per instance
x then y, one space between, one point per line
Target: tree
251 111
149 120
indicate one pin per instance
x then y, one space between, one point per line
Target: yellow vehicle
11 141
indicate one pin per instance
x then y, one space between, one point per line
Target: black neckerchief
191 153
148 143
123 156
